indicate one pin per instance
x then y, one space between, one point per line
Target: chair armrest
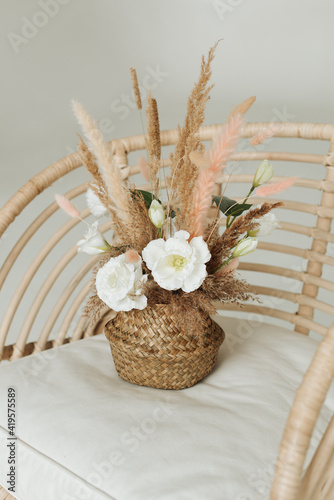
303 416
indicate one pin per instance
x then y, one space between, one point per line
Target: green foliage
230 208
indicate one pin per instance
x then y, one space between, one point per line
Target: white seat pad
85 434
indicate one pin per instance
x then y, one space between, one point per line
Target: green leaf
223 203
239 209
230 207
148 197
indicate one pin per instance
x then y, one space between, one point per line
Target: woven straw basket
149 348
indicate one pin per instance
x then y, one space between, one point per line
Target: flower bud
266 225
157 214
244 247
263 174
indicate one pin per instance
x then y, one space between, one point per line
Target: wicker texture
318 480
4 495
150 348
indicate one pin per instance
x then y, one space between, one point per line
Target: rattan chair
290 482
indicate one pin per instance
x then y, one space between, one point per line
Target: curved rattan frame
288 483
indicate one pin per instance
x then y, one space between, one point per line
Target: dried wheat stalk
153 143
220 246
135 86
183 172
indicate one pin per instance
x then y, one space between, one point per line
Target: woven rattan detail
150 348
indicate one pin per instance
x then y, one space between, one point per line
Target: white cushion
85 434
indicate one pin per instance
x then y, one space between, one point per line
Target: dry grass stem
136 88
153 143
221 246
183 171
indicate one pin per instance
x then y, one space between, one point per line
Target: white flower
118 282
93 242
267 224
157 214
94 204
263 174
176 263
244 247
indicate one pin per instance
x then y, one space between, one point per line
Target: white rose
93 242
176 263
263 174
156 214
244 247
94 204
267 224
118 282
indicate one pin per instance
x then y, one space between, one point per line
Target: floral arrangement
170 252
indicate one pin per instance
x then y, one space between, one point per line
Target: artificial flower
118 284
94 204
157 214
266 225
244 247
177 263
263 174
93 242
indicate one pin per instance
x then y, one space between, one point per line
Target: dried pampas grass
218 156
153 143
268 190
242 108
110 173
184 172
135 86
264 135
220 246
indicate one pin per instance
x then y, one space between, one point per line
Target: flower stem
233 219
223 264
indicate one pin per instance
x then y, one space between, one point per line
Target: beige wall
56 50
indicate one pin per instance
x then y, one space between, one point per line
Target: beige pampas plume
183 172
199 159
110 173
218 156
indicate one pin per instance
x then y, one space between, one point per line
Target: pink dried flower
131 256
218 156
67 206
144 168
269 189
264 135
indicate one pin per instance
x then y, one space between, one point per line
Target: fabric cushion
85 434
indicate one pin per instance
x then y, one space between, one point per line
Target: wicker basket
149 348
